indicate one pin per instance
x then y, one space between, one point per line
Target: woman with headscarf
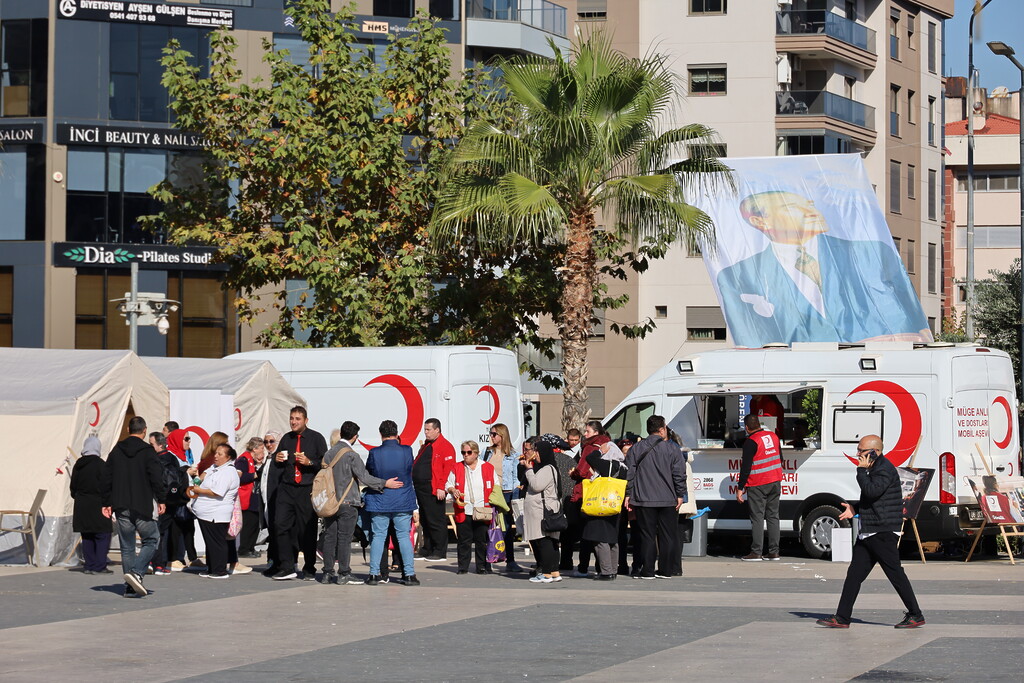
183 527
605 461
542 493
90 487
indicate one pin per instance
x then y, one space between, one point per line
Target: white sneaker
540 578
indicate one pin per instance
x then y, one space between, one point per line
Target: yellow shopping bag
602 497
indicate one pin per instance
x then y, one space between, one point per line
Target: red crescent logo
1009 422
96 421
497 404
910 419
413 407
200 432
238 419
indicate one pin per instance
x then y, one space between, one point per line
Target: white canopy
242 398
50 401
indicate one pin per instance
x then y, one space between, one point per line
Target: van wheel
816 530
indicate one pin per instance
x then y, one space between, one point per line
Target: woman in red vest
470 483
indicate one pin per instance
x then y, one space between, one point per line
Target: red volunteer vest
460 483
767 465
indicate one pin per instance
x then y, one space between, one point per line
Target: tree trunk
577 301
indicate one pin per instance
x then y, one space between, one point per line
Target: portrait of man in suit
808 285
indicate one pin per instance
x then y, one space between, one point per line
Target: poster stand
1007 530
913 520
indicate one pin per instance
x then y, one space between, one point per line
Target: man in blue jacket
881 519
391 460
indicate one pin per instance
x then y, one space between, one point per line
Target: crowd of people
395 503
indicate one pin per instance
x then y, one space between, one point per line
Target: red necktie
298 449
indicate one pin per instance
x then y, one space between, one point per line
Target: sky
1000 20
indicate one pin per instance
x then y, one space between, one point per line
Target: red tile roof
994 125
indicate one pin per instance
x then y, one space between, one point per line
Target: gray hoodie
346 467
655 473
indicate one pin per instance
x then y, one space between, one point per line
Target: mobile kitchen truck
468 388
931 404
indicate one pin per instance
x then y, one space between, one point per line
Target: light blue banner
804 254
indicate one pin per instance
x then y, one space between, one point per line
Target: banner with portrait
1001 498
914 482
802 253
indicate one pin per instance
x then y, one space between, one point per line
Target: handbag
553 521
480 512
603 497
235 525
495 542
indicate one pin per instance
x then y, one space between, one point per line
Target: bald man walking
881 519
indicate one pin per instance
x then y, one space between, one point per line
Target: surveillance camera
162 326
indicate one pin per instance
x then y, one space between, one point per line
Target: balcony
815 33
524 26
800 109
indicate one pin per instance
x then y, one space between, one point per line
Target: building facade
86 130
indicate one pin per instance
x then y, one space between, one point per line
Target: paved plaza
724 620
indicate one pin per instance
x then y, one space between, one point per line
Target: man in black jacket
137 497
881 519
295 464
175 499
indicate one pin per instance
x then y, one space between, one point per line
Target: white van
468 388
930 404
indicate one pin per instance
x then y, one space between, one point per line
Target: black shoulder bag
553 521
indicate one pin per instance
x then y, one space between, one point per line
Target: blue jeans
379 522
128 523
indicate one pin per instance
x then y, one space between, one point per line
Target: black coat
603 529
314 446
90 487
136 477
881 497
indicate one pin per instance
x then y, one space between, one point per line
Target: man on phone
881 521
296 463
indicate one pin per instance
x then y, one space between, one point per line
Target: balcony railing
822 103
542 14
799 22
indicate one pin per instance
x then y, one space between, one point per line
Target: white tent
242 398
50 401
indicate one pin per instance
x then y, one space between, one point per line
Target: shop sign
146 13
125 136
23 133
148 256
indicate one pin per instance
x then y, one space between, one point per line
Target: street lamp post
1005 50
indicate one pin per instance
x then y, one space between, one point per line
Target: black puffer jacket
136 476
881 498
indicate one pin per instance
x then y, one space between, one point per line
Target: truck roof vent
939 345
776 345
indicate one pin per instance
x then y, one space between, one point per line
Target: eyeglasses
467 452
187 438
866 450
267 442
495 434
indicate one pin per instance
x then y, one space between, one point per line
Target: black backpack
175 482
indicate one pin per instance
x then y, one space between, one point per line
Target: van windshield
794 416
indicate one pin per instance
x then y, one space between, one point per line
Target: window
911 21
898 244
894 186
630 420
23 69
597 324
851 10
931 47
931 121
705 323
911 180
849 423
894 34
709 6
444 9
107 191
6 306
933 267
592 10
933 182
136 93
911 256
595 402
911 103
991 181
894 110
661 311
22 192
707 80
393 8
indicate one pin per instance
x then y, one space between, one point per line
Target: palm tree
585 139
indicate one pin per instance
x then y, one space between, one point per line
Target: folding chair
28 524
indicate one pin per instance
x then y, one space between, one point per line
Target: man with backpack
344 469
175 479
137 496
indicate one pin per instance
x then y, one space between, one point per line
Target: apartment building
85 130
781 78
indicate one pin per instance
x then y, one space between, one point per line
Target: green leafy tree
586 140
326 174
998 314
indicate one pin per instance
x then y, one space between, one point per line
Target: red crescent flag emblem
413 407
488 389
910 419
96 419
1001 400
238 419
